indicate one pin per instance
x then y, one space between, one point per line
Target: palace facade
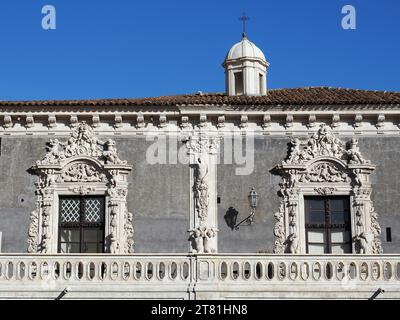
248 194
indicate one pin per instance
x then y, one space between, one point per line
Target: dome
245 49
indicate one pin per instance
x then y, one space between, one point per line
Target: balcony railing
183 276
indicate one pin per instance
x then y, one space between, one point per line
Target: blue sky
135 48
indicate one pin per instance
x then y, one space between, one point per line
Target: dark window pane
70 248
92 235
339 218
341 205
316 217
91 247
70 235
317 204
81 225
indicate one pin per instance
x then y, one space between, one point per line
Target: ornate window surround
324 165
83 165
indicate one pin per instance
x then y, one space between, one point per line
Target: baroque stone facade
324 165
82 165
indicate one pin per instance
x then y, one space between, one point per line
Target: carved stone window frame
84 166
324 165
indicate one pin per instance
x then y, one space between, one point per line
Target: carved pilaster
203 152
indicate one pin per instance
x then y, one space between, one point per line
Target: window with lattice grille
81 225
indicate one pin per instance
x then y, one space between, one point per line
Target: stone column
203 158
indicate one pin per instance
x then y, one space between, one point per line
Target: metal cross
244 18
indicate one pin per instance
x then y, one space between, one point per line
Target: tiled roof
296 96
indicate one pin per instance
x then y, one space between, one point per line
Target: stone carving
203 239
321 143
128 231
184 122
266 121
325 165
95 121
198 241
201 187
7 121
354 154
324 172
110 153
203 121
46 236
140 121
83 142
82 164
221 122
33 235
201 148
117 193
52 121
203 145
362 243
82 172
118 121
293 243
209 243
82 190
279 231
73 120
325 190
376 245
114 244
29 121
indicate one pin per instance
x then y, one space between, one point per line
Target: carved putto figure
209 246
110 153
203 239
82 172
354 152
324 172
321 143
83 141
293 243
362 241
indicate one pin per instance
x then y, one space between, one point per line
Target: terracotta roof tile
295 96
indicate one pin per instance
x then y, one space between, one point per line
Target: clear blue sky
136 48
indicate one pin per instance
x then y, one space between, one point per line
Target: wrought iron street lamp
253 202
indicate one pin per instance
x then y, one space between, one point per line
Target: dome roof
245 49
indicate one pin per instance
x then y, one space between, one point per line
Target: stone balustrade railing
184 276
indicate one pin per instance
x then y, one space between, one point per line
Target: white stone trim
324 165
83 165
368 122
203 216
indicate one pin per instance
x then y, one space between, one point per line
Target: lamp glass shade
253 198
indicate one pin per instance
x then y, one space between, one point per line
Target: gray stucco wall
159 194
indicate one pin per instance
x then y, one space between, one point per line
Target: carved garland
83 165
324 165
